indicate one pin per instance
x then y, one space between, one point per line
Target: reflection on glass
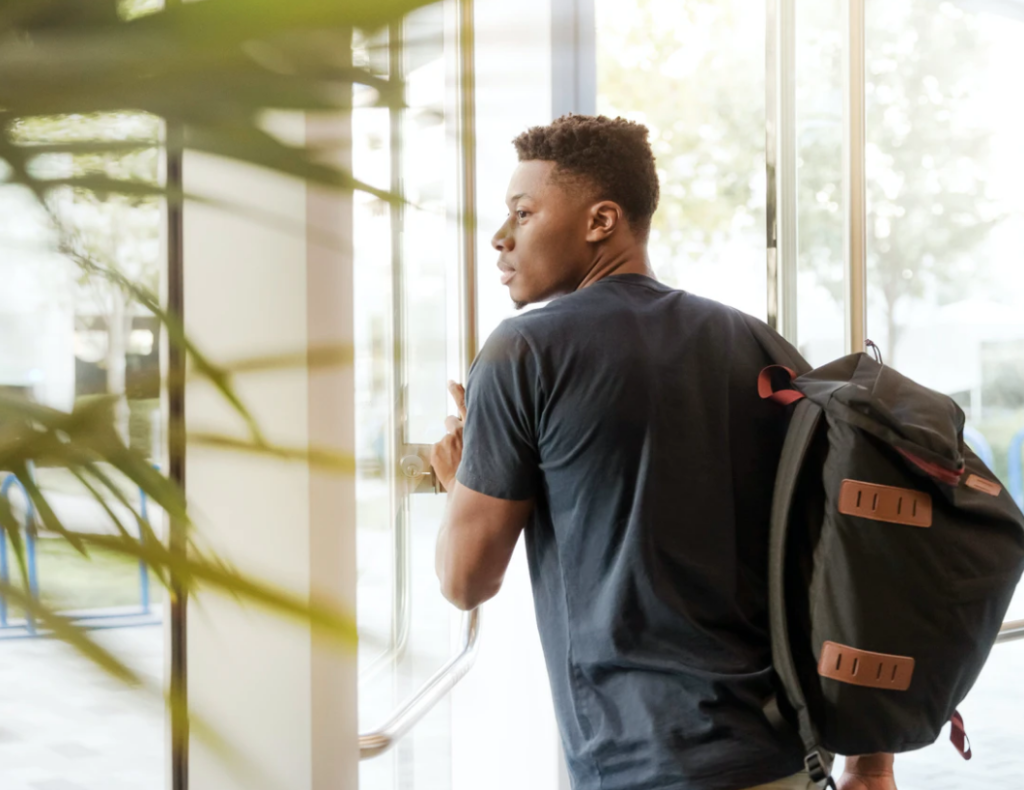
946 286
65 336
403 258
693 73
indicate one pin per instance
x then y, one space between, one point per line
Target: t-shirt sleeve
499 453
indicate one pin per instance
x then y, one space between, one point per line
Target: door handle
417 471
433 691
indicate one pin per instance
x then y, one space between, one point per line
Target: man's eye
522 214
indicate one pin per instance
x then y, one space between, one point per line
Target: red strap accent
767 390
958 735
948 476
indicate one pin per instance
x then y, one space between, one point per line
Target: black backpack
894 555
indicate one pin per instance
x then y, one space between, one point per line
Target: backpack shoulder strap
804 422
780 350
803 425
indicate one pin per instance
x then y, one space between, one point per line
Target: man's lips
507 273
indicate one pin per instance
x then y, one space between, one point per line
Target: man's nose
502 240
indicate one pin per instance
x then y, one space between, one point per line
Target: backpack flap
925 426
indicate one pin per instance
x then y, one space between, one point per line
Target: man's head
585 190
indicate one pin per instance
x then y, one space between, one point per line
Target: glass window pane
404 259
427 249
946 286
694 74
819 147
64 337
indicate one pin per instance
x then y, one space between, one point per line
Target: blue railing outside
1016 468
143 568
30 551
32 565
980 445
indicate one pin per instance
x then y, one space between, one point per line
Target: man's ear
605 217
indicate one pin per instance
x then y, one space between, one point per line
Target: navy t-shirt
629 411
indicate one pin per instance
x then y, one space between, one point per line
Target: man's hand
447 453
868 772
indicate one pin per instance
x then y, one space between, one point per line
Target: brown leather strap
766 388
958 735
885 503
983 485
864 668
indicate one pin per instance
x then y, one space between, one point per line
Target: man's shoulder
572 313
601 299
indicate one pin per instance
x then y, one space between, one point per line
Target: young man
620 428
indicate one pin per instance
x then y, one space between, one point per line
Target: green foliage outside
70 582
694 73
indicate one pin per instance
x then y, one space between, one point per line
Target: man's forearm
441 547
880 764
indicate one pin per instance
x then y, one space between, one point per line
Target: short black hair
613 155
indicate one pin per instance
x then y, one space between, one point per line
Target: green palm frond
212 68
10 529
64 629
210 71
319 457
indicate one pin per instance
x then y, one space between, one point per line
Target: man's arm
478 532
868 772
475 544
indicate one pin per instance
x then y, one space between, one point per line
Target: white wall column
258 287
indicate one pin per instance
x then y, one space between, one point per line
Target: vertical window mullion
466 199
854 187
780 163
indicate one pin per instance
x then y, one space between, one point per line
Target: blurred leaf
176 336
11 527
35 433
102 500
146 533
315 357
318 457
259 148
42 507
88 147
194 571
66 631
211 69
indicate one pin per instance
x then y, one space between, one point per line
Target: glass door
407 348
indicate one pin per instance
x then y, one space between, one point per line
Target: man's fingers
458 392
452 424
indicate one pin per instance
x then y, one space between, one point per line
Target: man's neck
631 260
